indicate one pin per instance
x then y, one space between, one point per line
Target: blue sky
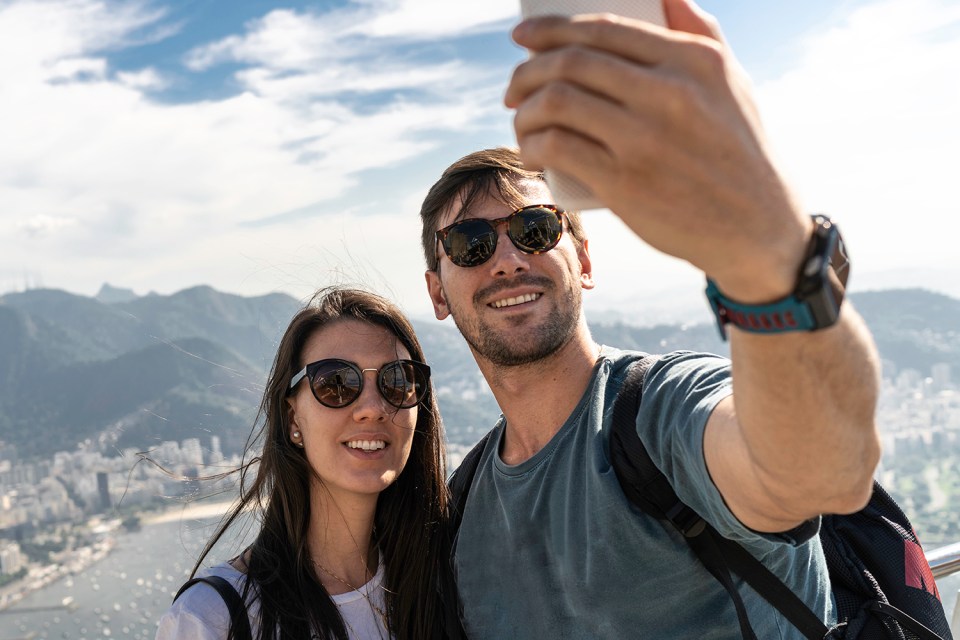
270 146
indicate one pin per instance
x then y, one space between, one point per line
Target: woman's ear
293 430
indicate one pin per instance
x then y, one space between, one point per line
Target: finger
684 15
566 106
641 41
633 40
567 152
661 100
594 70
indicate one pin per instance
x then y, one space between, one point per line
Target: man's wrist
814 303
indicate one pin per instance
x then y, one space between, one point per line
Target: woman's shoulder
200 611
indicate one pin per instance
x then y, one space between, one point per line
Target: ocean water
123 595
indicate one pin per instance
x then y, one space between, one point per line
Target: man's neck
537 398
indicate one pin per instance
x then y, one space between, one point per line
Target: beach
189 511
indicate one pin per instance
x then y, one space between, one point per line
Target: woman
349 489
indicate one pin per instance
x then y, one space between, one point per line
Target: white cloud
283 39
295 57
867 124
287 39
77 69
43 33
145 79
103 183
42 225
437 18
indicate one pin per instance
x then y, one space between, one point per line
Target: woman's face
360 449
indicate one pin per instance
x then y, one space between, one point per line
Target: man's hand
660 124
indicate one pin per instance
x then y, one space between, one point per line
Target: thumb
684 15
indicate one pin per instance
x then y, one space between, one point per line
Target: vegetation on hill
120 370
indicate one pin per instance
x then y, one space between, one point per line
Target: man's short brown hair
491 172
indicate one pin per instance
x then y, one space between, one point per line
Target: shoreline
82 558
188 511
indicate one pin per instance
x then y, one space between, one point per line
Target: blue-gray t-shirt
551 547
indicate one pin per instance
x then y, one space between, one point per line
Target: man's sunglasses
337 383
533 229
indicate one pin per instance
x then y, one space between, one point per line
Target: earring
295 439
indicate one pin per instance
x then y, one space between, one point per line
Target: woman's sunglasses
533 229
337 383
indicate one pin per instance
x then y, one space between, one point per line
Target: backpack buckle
686 520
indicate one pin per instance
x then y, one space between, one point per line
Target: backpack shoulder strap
239 623
459 485
461 480
642 482
648 489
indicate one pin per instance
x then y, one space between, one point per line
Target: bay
123 595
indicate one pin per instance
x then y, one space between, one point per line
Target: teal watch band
787 314
816 298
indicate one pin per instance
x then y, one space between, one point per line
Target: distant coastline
82 558
189 511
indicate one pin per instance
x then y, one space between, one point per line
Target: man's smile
511 302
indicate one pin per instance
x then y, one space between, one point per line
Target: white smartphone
568 192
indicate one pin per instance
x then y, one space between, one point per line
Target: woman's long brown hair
411 515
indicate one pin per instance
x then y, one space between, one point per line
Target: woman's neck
339 542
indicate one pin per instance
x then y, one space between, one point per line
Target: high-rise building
11 558
941 375
191 453
103 488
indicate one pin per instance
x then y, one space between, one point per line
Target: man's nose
507 259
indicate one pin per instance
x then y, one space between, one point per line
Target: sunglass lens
536 229
336 384
470 242
403 384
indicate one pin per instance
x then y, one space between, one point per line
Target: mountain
122 370
145 370
913 328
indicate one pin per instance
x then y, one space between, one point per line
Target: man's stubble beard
535 343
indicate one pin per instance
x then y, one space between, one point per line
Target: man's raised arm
660 124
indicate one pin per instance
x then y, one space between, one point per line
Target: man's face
515 308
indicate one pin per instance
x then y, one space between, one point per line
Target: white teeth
509 302
367 445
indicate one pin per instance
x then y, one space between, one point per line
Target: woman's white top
201 614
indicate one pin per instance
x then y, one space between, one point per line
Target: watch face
822 282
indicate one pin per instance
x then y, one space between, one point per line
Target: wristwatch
816 298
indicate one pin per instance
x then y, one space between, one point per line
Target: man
659 125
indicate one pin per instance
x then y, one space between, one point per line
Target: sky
260 146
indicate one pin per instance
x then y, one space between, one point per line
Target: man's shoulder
669 363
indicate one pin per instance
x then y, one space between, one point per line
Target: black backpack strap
461 480
647 488
239 623
770 587
459 485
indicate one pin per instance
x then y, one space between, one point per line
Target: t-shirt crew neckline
572 420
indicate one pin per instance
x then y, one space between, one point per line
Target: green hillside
142 370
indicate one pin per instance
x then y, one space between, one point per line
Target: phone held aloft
568 192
